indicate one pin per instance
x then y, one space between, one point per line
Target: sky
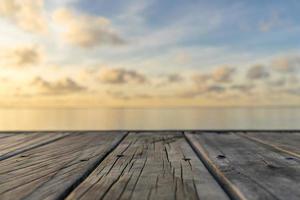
149 53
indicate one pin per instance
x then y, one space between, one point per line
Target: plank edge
90 170
233 192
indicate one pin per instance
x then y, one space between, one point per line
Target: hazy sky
133 53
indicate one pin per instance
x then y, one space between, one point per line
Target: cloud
86 31
277 83
28 15
286 64
118 95
22 56
210 83
214 88
220 75
174 78
243 88
293 80
121 76
203 90
123 96
257 72
293 91
201 78
63 86
223 74
170 79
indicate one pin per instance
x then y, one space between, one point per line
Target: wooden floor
150 165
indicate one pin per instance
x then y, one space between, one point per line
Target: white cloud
26 14
84 30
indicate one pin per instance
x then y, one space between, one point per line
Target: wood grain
13 144
50 171
150 166
248 169
287 142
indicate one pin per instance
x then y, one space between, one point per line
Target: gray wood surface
288 142
13 144
150 166
50 171
247 168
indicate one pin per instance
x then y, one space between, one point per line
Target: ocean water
144 119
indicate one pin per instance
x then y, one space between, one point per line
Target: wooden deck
155 165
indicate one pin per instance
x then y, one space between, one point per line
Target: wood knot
221 157
120 155
83 160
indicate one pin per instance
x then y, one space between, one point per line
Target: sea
237 118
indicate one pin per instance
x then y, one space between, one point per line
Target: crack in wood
154 166
138 178
114 182
24 149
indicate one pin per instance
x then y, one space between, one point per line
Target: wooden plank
50 171
288 142
247 169
13 144
150 166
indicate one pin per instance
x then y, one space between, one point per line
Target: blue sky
237 21
256 27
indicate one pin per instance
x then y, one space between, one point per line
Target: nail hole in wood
221 157
186 159
290 158
272 166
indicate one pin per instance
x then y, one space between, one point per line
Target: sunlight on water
192 118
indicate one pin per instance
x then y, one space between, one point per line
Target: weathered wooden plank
150 166
50 171
288 142
247 169
13 144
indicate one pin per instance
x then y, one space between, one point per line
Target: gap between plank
232 192
12 154
76 183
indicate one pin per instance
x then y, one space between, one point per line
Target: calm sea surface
191 118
